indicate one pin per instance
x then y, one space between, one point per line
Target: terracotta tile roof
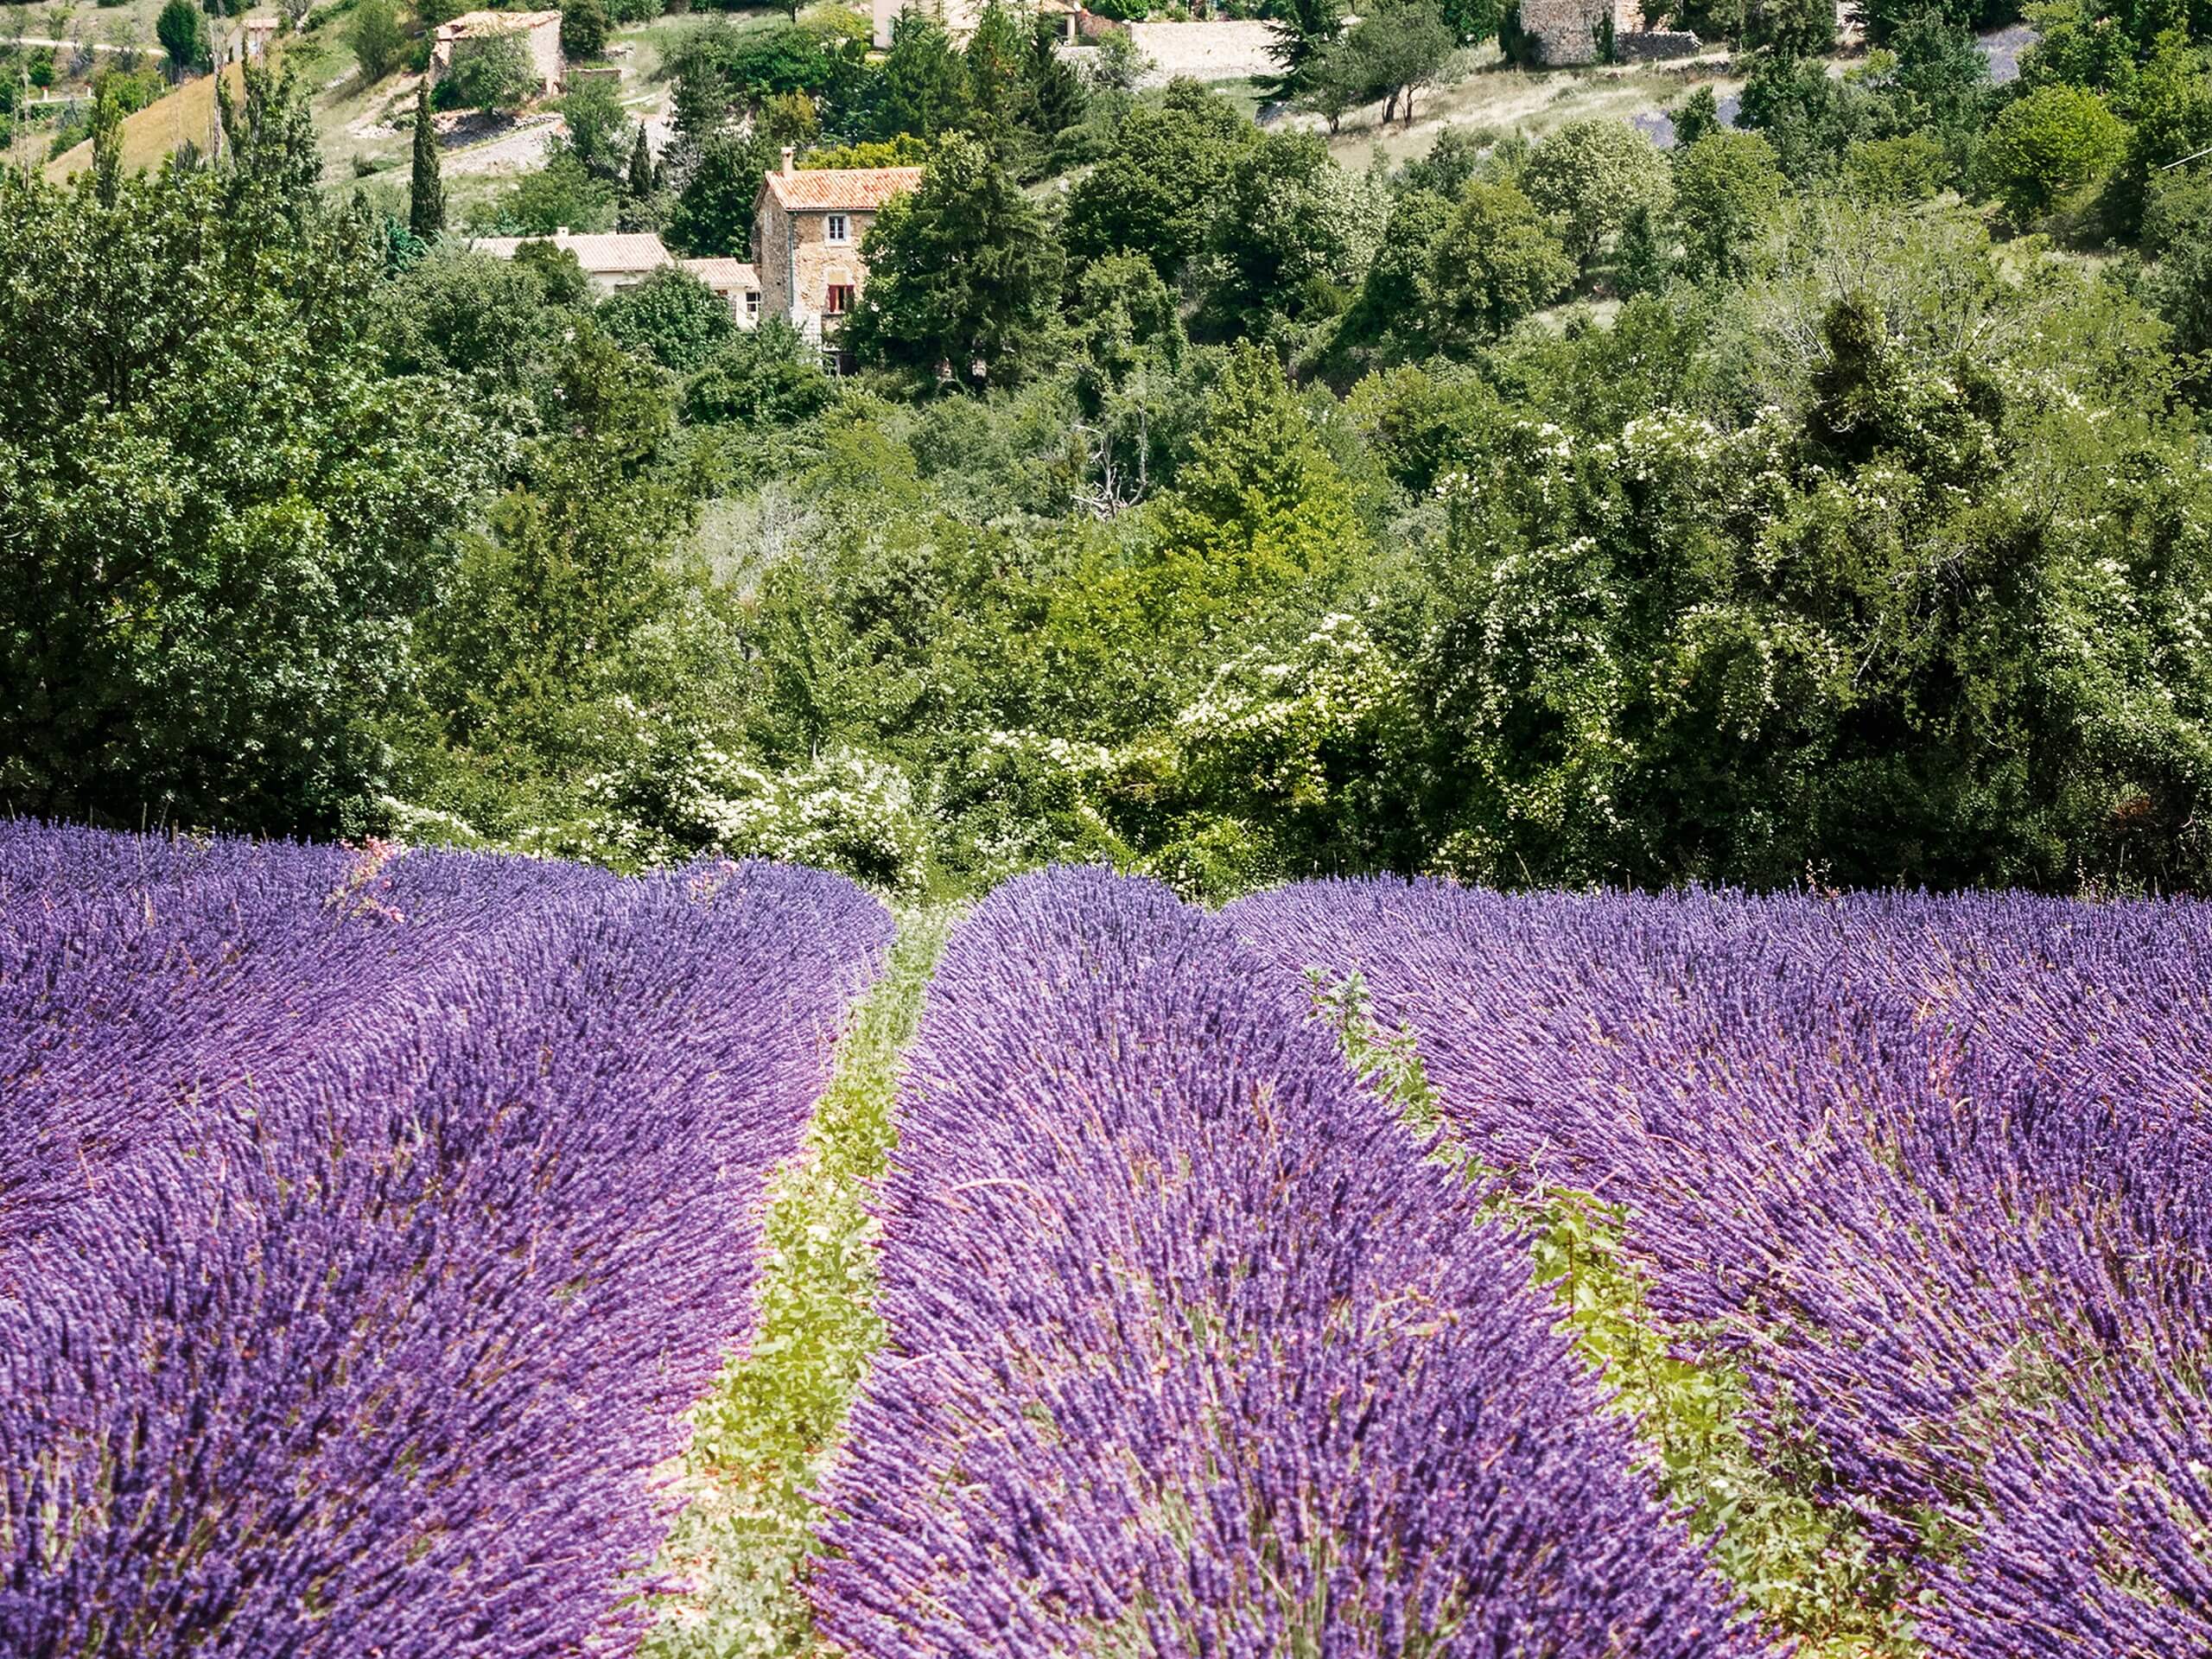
723 275
603 254
827 188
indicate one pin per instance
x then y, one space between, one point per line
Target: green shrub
377 40
488 72
2047 148
585 25
671 317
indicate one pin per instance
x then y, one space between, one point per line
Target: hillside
186 115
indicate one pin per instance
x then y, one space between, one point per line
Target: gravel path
2003 46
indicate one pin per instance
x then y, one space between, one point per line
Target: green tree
1473 22
923 86
1495 261
995 61
1338 81
1157 191
488 72
559 195
425 190
2178 228
1259 508
964 273
543 611
1727 189
1389 320
1694 116
495 324
713 215
273 162
639 174
220 511
1301 31
1404 45
1053 96
585 27
377 41
1286 237
598 128
765 378
2167 103
1809 115
2049 146
671 317
183 36
1591 177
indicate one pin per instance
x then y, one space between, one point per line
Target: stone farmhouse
615 261
540 32
807 226
1561 33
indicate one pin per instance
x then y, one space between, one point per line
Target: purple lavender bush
1192 1351
367 1222
1935 1175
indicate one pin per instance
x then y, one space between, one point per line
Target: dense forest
1825 499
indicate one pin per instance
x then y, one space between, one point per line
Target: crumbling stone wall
1560 33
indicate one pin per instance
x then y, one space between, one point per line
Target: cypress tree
426 190
641 165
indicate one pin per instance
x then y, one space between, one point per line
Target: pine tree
923 86
994 63
1056 95
641 165
425 190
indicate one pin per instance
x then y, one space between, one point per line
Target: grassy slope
1500 96
765 1434
184 115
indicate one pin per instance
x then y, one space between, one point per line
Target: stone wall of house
771 258
798 263
544 43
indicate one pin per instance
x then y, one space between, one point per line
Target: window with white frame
753 305
840 228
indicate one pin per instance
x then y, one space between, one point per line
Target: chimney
788 152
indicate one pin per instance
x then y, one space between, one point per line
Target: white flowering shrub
1311 742
1028 798
845 811
1295 727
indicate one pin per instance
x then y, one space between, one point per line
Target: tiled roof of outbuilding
607 253
723 275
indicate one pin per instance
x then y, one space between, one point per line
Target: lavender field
408 1253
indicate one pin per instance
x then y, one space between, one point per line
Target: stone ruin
1559 34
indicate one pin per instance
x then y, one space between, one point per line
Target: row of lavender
1935 1173
1192 1352
367 1224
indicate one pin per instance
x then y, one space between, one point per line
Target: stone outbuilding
540 38
1562 33
807 226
